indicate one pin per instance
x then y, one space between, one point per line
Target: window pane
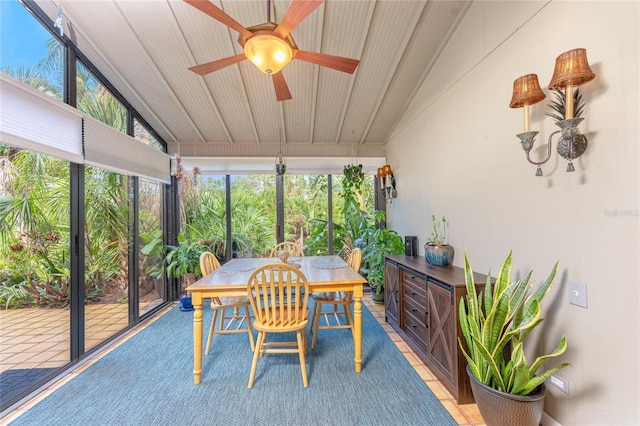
253 215
34 267
106 254
338 215
142 134
341 235
95 100
306 207
204 213
29 52
151 282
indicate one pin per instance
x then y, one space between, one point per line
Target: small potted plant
181 261
495 325
437 251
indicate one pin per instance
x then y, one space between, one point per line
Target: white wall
455 153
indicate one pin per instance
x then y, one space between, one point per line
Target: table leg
357 324
197 339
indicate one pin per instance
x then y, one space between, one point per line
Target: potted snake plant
495 325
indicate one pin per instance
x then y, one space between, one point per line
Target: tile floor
39 338
466 415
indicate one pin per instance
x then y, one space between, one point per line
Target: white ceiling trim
266 165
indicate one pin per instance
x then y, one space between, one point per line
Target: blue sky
22 38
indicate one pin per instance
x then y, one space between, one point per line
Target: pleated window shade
30 119
35 121
110 149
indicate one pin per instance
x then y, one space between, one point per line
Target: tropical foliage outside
253 212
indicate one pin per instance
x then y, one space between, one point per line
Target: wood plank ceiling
145 48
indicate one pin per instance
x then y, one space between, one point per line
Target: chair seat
281 320
333 297
230 302
229 324
336 299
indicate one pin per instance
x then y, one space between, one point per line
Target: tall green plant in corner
376 243
495 325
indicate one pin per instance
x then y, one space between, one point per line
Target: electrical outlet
578 293
560 383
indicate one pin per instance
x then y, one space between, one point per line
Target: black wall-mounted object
411 245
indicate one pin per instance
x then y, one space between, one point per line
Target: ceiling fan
269 46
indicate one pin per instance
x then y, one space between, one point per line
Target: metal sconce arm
527 140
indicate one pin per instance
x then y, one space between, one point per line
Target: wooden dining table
323 273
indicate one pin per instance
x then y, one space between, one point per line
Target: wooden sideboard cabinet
421 304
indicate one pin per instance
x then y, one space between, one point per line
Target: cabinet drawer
415 309
414 278
415 327
416 291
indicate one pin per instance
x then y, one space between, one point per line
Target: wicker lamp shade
526 91
572 68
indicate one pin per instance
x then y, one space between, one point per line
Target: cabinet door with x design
441 324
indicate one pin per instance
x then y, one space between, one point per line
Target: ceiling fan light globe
268 53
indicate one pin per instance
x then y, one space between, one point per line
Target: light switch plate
559 382
578 293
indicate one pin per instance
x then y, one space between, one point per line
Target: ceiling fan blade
298 10
210 67
282 90
219 15
339 63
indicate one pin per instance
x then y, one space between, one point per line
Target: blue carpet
148 380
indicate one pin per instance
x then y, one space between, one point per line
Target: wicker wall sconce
387 183
571 70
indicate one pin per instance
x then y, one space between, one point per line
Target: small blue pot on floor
185 303
438 255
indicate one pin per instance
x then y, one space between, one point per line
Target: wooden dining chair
279 294
335 299
290 247
229 324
